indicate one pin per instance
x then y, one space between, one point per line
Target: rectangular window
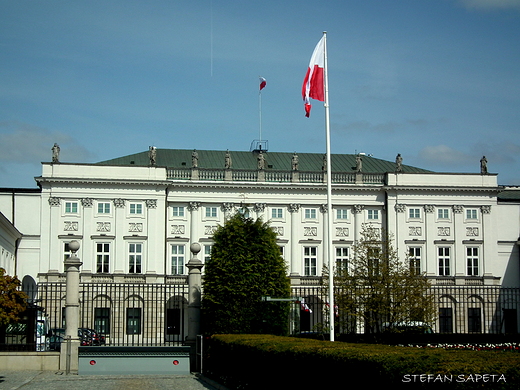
207 253
415 260
177 259
471 214
472 261
211 212
102 320
414 213
178 211
341 259
374 255
66 251
103 257
373 214
445 320
135 256
310 260
341 214
136 208
310 213
103 208
133 320
71 207
276 213
474 320
443 213
444 261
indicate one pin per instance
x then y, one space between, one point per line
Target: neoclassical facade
136 216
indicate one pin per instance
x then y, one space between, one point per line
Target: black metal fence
460 309
141 314
126 314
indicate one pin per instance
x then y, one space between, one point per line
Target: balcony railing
273 176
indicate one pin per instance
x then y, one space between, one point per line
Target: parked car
86 336
96 337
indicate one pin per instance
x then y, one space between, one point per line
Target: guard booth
134 360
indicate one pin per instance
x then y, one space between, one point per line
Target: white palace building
136 216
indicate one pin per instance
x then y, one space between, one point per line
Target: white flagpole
260 113
330 253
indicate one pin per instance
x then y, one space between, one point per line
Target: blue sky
435 80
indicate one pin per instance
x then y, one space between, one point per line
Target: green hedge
265 361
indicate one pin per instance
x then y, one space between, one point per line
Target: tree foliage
245 265
377 288
12 301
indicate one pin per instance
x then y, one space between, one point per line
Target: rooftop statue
55 153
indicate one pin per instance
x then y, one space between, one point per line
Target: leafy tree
377 287
12 301
245 265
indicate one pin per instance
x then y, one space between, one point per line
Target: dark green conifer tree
245 265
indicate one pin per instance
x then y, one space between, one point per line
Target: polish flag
263 83
313 82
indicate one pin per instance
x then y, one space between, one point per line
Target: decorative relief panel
358 208
458 209
259 207
71 226
119 203
472 231
178 229
341 232
400 208
324 208
87 202
193 206
151 203
54 201
227 207
209 230
135 227
485 209
415 230
310 231
443 231
429 208
103 226
278 230
294 207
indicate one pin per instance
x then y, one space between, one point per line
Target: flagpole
260 113
329 194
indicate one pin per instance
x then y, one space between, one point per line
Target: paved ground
29 380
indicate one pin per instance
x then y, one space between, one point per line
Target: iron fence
460 309
125 314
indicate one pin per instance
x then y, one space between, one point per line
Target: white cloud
491 4
25 143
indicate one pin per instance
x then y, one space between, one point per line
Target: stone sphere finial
74 246
195 248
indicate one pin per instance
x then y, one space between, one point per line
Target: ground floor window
133 320
474 320
102 320
445 320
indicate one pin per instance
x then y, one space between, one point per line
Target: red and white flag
263 83
313 82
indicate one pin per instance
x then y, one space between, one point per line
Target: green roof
278 161
510 195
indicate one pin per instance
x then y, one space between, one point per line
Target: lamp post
69 348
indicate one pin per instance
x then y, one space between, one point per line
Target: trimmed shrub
263 361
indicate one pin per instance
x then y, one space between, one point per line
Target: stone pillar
295 270
69 348
194 300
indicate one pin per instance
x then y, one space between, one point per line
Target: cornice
43 180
